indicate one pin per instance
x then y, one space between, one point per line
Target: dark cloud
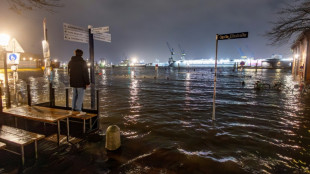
141 28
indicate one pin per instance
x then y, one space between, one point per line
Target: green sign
233 36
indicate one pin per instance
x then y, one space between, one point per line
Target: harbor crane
171 52
182 52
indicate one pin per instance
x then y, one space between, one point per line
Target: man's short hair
78 52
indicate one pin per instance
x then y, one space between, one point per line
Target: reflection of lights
296 56
30 58
134 60
4 39
2 77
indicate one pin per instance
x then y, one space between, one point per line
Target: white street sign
106 37
100 30
13 58
75 28
75 33
46 49
14 46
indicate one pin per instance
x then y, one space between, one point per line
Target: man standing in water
79 80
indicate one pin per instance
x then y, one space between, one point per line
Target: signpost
79 34
75 33
100 30
233 36
223 37
14 47
13 58
106 37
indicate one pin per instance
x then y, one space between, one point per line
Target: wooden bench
21 138
87 116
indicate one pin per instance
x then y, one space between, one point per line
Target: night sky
141 28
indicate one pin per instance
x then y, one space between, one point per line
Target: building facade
301 61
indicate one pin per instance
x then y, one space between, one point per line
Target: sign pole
215 70
92 67
46 55
223 37
8 97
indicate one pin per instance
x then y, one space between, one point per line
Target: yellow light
30 58
296 56
4 39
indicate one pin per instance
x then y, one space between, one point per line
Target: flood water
166 125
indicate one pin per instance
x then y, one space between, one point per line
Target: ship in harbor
131 63
183 63
275 62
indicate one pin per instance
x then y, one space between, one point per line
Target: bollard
113 138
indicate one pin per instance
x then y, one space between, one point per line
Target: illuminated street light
4 42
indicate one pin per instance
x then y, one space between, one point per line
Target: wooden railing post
67 98
52 95
98 103
28 95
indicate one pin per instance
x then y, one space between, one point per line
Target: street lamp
4 42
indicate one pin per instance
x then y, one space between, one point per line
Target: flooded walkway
166 126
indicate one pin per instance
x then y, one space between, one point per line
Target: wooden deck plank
38 113
20 132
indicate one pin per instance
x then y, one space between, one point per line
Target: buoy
113 138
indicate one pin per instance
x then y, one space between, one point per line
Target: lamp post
4 42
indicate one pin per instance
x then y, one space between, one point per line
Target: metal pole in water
215 70
92 67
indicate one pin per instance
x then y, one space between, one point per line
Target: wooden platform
75 114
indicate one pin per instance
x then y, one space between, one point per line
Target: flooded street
166 126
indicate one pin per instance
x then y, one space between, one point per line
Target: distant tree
20 5
293 19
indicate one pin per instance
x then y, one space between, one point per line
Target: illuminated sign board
233 36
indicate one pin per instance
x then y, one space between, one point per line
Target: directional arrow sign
233 36
75 33
106 37
100 30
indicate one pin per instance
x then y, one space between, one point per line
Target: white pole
215 70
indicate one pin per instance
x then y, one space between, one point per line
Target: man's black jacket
78 71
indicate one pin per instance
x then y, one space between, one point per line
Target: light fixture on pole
4 42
